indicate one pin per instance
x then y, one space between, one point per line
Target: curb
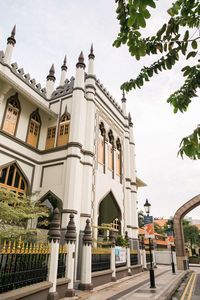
170 289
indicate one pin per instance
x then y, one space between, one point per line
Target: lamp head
147 207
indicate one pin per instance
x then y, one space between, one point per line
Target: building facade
73 143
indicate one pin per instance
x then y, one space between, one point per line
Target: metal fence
147 256
100 259
25 265
134 257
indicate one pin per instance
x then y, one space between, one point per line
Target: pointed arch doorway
109 212
182 260
51 201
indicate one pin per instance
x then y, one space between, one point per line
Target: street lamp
173 266
147 207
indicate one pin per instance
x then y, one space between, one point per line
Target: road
192 289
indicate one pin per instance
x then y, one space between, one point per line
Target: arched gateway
182 261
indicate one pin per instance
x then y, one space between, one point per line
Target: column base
70 293
85 286
129 273
52 296
114 278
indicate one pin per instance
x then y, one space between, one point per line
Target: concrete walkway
137 287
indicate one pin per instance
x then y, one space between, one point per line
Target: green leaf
150 3
140 20
131 20
194 44
146 14
191 54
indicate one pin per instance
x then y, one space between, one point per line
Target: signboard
170 237
120 255
149 227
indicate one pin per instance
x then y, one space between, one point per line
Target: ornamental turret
10 45
50 82
63 72
80 72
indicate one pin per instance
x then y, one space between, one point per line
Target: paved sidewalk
137 287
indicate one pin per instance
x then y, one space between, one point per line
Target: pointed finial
54 232
80 63
13 31
123 97
70 235
91 55
11 39
51 73
64 66
87 238
130 120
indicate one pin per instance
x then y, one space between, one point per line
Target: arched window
101 144
118 157
12 179
51 133
64 126
110 150
34 129
11 115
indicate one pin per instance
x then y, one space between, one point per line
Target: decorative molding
78 89
41 152
69 211
132 227
85 215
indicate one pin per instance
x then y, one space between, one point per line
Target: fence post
112 256
86 266
54 240
128 260
70 238
144 260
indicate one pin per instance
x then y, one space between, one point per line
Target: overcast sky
49 29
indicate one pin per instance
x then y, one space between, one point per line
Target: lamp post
172 260
147 207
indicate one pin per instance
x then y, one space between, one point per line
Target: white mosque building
73 143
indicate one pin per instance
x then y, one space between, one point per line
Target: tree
191 234
158 228
140 218
15 211
170 42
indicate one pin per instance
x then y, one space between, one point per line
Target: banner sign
120 255
170 237
149 227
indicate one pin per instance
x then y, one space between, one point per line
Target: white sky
49 29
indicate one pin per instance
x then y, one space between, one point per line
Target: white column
54 239
144 259
86 267
53 264
112 255
70 238
128 255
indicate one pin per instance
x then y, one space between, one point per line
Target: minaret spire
80 63
123 103
10 44
130 120
63 71
50 82
91 57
